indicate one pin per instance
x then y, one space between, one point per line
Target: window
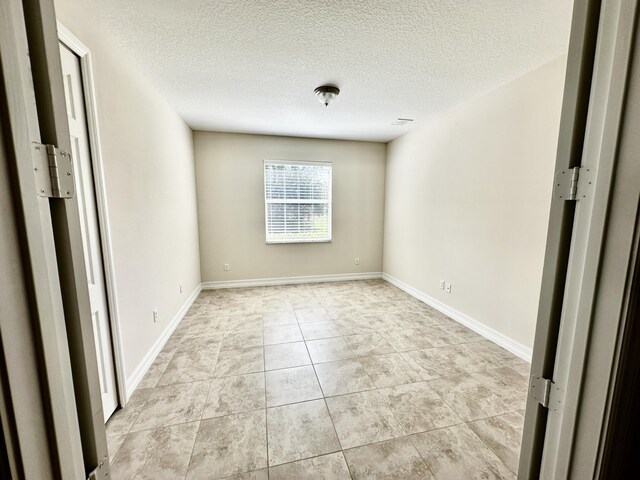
297 197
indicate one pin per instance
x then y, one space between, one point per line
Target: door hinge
545 392
574 183
53 169
101 472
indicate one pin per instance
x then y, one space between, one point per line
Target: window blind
297 201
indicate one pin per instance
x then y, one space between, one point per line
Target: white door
83 171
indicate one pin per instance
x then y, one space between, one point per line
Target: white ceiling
251 65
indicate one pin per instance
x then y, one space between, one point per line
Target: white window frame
267 201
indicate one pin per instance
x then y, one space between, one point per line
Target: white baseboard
261 282
140 371
489 333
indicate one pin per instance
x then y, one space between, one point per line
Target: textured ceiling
252 65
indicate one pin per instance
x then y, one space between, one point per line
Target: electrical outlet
448 288
442 282
356 261
227 267
155 315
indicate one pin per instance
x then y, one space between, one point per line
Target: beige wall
230 181
468 198
147 152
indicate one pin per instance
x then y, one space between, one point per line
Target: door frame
584 296
74 44
47 442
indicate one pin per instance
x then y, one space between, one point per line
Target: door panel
89 227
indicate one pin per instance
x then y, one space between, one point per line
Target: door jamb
88 86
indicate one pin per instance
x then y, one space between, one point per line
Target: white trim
261 282
84 54
489 333
267 201
142 368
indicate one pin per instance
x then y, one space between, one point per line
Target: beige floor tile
189 367
241 323
318 330
204 325
408 339
262 474
395 459
339 300
343 313
457 359
123 419
367 345
229 445
161 453
457 453
389 370
279 318
229 395
171 345
237 362
483 394
286 355
362 418
153 375
325 467
329 350
196 343
459 333
495 354
114 442
267 356
412 319
343 376
244 307
298 431
418 408
292 385
172 405
282 334
275 305
503 434
234 340
315 314
305 302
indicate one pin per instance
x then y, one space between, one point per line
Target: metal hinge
53 169
545 392
101 472
573 183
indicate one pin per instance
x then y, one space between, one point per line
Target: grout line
324 399
225 331
266 421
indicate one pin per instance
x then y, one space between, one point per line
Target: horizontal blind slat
297 201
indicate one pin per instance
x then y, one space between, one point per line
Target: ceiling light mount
327 94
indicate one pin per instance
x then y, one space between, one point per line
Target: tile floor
349 380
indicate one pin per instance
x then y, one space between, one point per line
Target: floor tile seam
137 415
157 427
491 416
358 357
326 406
310 458
455 411
266 421
195 438
489 447
486 444
207 379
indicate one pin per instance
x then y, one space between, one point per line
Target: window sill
276 242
